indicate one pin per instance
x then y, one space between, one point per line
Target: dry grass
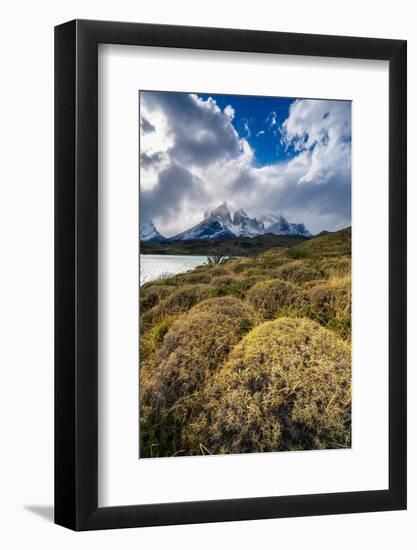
193 277
269 297
298 271
155 321
152 295
327 302
285 386
213 379
181 299
217 271
333 244
194 346
223 280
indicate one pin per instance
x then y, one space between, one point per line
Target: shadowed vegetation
250 355
237 246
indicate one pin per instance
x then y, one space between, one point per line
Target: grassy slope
240 246
282 320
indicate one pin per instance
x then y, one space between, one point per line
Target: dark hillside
239 246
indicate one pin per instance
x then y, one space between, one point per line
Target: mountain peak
221 210
218 224
241 212
148 231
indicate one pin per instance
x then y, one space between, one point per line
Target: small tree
221 256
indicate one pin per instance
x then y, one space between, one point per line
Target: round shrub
217 271
231 286
151 295
330 304
258 270
182 299
298 271
251 280
241 266
193 348
223 280
285 386
193 277
268 297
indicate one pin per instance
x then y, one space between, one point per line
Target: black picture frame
76 272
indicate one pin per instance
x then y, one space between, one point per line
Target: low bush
241 266
193 277
182 299
153 337
285 386
298 271
170 381
268 297
217 271
223 280
229 286
329 303
151 295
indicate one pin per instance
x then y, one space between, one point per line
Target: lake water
153 266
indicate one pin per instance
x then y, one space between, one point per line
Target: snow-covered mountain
148 232
208 229
278 225
246 226
219 224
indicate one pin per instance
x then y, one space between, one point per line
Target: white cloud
260 133
200 161
229 112
248 133
324 129
272 119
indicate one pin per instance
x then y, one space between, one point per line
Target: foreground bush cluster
252 355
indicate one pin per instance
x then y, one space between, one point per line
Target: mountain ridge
218 224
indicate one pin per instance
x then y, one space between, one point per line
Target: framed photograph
230 252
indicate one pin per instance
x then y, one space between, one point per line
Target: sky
267 155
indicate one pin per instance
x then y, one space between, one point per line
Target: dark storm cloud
311 203
175 186
149 159
146 126
308 202
201 133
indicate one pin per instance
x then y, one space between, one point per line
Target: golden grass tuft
241 266
329 303
181 299
193 277
152 295
298 271
268 297
285 386
217 271
152 339
223 280
170 381
339 266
